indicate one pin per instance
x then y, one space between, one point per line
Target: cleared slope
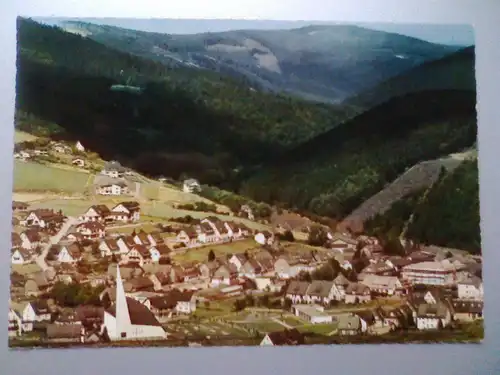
453 72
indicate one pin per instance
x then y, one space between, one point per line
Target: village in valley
102 255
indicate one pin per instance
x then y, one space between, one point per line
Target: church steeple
121 307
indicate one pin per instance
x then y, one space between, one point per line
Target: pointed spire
121 307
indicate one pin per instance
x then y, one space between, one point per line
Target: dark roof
86 312
40 306
64 330
19 205
298 287
129 205
15 239
101 209
287 337
139 314
32 235
320 288
461 306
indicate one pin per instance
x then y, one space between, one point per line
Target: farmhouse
188 237
70 253
471 288
115 188
191 186
127 211
113 169
433 316
44 218
388 285
79 162
357 293
98 212
31 239
21 256
91 230
322 292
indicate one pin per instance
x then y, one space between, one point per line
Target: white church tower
121 308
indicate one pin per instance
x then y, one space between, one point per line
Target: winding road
54 240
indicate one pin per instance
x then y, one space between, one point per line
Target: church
129 319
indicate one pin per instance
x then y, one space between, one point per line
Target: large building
442 273
129 319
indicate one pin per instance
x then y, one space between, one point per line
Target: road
40 260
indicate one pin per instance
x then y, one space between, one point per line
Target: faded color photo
223 183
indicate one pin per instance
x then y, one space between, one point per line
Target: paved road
40 260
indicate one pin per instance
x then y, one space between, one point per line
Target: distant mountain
453 72
324 62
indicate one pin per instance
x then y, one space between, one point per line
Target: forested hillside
201 122
447 216
334 173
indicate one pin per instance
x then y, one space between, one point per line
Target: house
285 337
357 293
341 283
127 211
70 253
65 333
15 240
251 268
224 274
385 285
129 319
44 218
19 206
142 254
264 238
234 230
98 213
79 146
322 292
142 238
115 188
467 310
471 288
313 314
207 233
91 230
37 283
138 284
25 315
61 148
296 291
74 237
108 247
125 244
113 169
79 162
238 260
188 237
350 324
442 273
31 239
21 256
433 316
191 186
341 241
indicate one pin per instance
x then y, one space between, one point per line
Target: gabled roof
139 314
319 288
298 288
435 310
287 337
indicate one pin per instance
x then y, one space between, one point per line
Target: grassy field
201 254
24 269
164 210
38 177
321 329
20 136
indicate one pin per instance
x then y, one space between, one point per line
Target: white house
79 162
433 316
127 211
471 288
91 230
79 146
238 260
30 239
313 314
118 188
191 186
129 319
389 285
108 247
21 256
98 212
113 169
70 254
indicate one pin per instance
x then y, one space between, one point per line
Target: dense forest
448 215
196 118
334 173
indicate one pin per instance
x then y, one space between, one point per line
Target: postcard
290 184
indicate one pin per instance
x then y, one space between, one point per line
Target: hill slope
448 215
324 63
453 72
185 120
335 172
